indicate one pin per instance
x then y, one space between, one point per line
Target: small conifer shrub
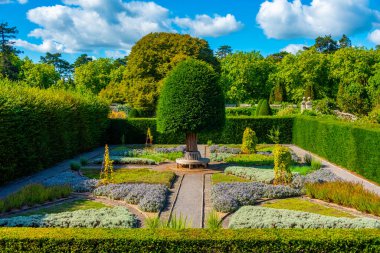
249 141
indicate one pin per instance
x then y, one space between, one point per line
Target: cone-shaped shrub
282 162
259 106
264 109
191 101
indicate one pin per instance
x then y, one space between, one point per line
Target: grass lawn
259 147
302 170
135 176
162 157
81 204
224 178
299 204
249 160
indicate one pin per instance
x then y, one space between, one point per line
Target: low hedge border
189 240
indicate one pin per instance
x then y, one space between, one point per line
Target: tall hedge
134 131
356 148
41 127
189 240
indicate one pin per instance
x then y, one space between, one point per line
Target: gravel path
47 173
341 172
189 203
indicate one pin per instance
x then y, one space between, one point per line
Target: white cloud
283 19
117 53
293 48
112 25
204 25
10 1
375 37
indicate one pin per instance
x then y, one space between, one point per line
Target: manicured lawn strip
224 178
162 157
147 176
81 204
299 204
346 194
33 194
252 159
302 170
190 240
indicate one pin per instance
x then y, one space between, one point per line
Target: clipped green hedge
39 128
356 148
240 111
134 131
190 240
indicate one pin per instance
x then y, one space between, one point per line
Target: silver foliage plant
219 157
181 148
224 149
251 173
117 217
228 197
319 176
149 197
77 182
263 217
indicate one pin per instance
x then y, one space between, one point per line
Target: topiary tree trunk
192 152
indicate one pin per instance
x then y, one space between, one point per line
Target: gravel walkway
341 172
47 173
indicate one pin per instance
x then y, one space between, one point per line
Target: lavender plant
149 197
227 197
77 182
251 173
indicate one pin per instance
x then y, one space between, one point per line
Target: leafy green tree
326 44
277 57
9 62
82 59
223 51
351 68
345 42
374 86
63 67
191 101
244 76
38 74
93 76
152 58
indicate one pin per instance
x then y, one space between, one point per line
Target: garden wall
189 240
353 147
39 128
134 131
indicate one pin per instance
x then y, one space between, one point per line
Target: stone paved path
47 173
341 172
190 200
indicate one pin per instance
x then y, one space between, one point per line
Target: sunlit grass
224 178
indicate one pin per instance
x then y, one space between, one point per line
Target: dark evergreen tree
63 67
82 59
345 42
223 51
8 52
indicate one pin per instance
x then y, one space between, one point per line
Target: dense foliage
353 147
41 127
249 142
189 240
191 100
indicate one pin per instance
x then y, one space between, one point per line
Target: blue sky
110 27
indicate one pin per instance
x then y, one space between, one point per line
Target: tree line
346 76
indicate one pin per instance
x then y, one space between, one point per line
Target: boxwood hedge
351 146
190 240
134 131
41 127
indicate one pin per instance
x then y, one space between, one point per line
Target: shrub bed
134 131
42 127
346 194
117 217
127 160
264 217
353 147
228 197
149 197
189 240
32 195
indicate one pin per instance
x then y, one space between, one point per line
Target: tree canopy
191 100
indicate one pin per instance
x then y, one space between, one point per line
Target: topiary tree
264 109
249 141
259 106
191 101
